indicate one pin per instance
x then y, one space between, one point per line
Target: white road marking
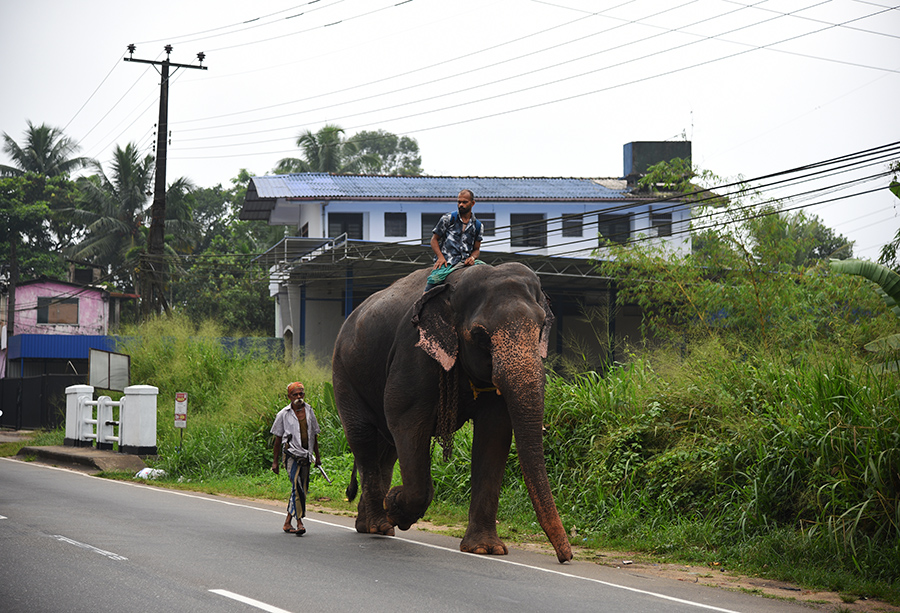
249 601
488 559
108 554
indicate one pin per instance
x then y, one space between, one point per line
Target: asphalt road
71 542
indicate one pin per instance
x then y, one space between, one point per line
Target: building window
488 223
350 224
429 221
614 228
57 311
572 225
304 231
662 222
528 230
395 224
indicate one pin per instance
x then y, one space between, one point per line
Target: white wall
557 244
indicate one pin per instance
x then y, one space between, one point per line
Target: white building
356 234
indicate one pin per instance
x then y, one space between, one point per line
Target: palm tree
45 151
114 208
327 151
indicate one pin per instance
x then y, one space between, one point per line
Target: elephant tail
353 488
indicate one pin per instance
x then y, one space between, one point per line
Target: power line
508 78
534 105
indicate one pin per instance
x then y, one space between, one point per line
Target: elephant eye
480 336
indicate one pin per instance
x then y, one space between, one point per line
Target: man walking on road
296 430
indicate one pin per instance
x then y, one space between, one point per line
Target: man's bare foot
300 529
288 529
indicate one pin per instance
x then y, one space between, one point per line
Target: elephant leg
407 503
371 449
491 441
371 517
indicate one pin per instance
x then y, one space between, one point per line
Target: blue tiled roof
366 187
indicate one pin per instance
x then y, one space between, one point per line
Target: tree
795 239
754 276
45 150
327 151
221 281
113 210
397 156
27 202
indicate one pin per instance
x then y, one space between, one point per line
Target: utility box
641 155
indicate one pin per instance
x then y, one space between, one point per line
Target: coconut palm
114 208
45 151
327 151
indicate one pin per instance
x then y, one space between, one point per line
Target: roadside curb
107 461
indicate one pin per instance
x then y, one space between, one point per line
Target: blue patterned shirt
458 243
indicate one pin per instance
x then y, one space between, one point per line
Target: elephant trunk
519 374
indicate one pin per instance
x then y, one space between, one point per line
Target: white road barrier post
78 430
137 417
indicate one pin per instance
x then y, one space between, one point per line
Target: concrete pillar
76 428
137 419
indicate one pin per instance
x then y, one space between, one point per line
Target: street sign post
181 415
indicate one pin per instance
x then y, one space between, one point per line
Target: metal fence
31 403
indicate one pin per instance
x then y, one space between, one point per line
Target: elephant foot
380 527
375 523
386 531
483 545
396 515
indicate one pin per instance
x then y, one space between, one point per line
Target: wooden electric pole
153 265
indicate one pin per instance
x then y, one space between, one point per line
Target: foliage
395 155
755 276
756 412
327 151
888 255
45 150
888 287
28 207
229 289
232 398
675 175
114 211
220 281
744 444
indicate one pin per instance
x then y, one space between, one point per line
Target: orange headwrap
295 386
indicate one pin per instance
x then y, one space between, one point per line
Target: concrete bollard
77 429
137 417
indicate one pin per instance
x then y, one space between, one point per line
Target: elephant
408 366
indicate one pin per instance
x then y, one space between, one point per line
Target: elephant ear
548 323
434 319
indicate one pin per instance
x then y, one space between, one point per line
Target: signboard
108 370
181 409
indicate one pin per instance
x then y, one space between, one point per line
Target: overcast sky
487 87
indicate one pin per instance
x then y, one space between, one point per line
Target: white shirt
286 424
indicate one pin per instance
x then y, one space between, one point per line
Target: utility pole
152 262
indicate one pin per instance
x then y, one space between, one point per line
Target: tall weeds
750 445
